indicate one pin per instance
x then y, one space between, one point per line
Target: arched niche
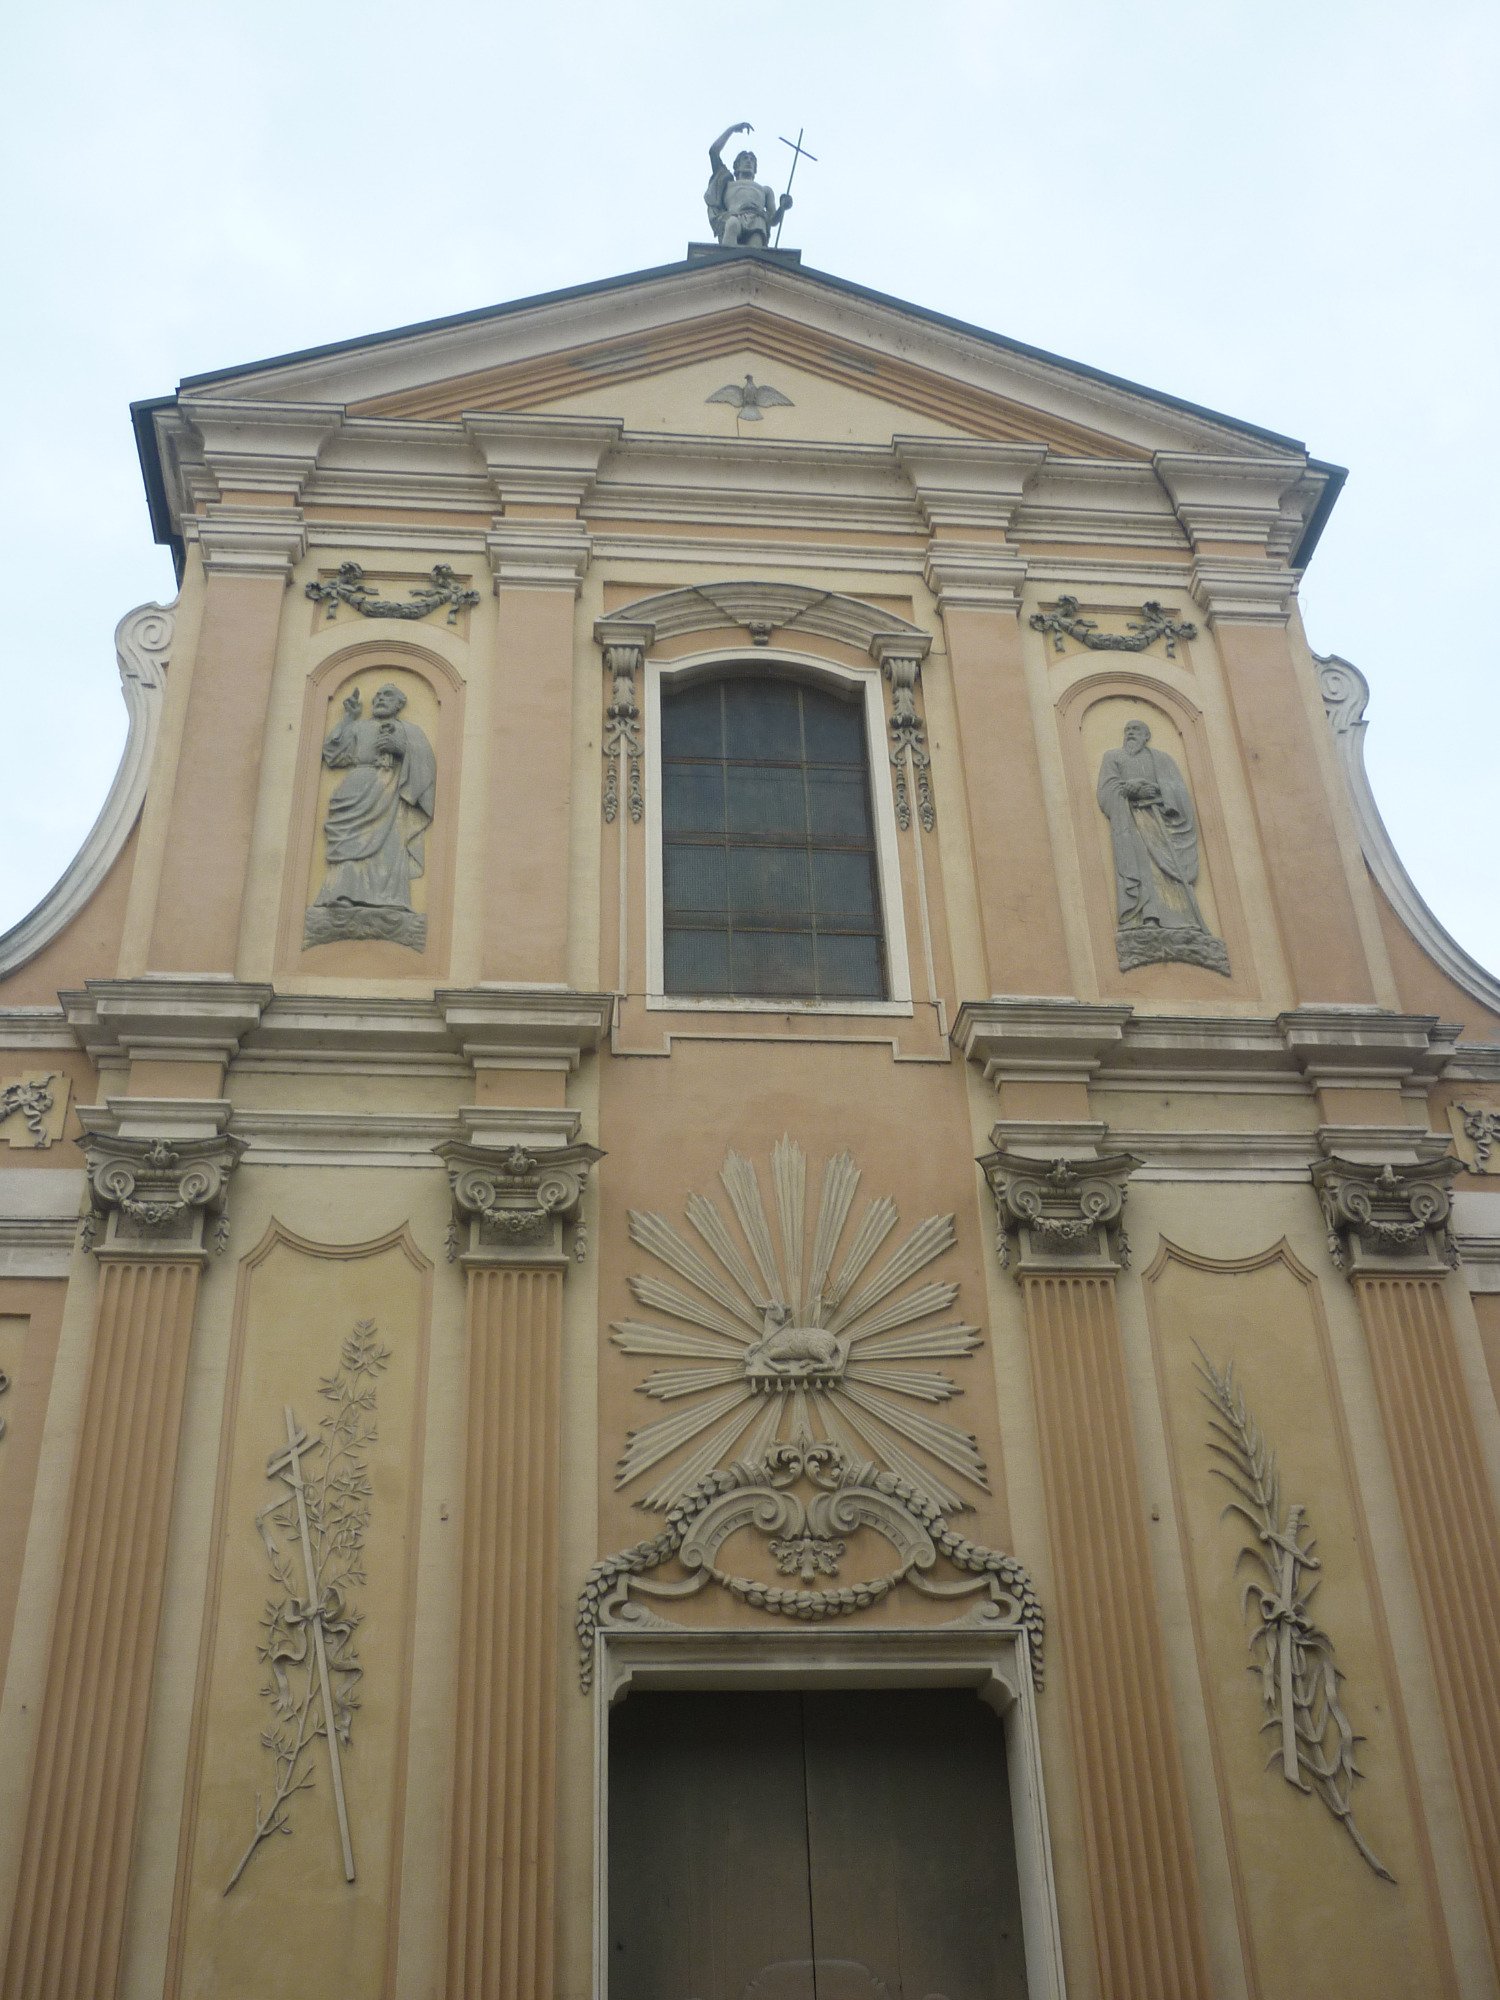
434 696
1092 715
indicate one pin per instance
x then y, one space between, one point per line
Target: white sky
1286 212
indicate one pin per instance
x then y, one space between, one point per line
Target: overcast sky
1286 212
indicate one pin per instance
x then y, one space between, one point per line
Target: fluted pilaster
500 1936
69 1912
1148 1920
1454 1537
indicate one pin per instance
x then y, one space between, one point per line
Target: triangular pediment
662 381
643 349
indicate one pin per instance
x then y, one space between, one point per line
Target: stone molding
235 543
759 608
1064 1041
510 1202
1059 1215
1245 593
969 491
1392 1219
539 460
538 555
1261 503
165 1017
155 1197
143 645
537 1027
1346 693
260 447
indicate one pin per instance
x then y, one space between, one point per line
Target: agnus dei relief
1154 841
376 824
778 1336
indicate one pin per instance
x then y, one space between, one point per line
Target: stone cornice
1038 1040
1393 1218
967 483
1318 1046
166 1017
1059 1215
254 447
538 460
1237 499
524 1027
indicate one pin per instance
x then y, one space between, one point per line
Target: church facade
749 1236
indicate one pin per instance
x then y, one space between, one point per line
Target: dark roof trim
1317 520
803 271
143 420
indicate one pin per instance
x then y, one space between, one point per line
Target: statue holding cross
742 212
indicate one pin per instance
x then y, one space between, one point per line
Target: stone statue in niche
741 211
1154 835
377 819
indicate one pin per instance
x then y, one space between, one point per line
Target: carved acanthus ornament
805 1532
1059 1215
1481 1128
155 1197
1393 1219
1065 621
622 729
511 1203
349 587
772 1338
909 752
1294 1660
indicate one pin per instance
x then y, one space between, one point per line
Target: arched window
770 884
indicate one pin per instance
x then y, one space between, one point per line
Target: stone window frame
807 668
995 1664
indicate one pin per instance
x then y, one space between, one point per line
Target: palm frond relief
314 1535
1292 1657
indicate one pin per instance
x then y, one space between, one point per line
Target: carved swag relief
1154 839
376 824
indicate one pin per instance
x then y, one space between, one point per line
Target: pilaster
969 491
1061 1232
1389 1229
517 1183
541 470
1243 518
155 1198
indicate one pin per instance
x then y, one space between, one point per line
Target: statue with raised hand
741 211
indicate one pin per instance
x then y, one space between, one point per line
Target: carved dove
749 398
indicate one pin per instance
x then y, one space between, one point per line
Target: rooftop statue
742 212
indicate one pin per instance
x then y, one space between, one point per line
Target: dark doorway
848 1845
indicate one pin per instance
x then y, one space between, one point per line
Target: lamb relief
1154 839
375 826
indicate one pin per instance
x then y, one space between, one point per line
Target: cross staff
287 1465
799 152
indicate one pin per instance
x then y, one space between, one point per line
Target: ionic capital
1391 1219
1059 1215
157 1197
510 1203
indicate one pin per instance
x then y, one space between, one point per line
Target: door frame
996 1664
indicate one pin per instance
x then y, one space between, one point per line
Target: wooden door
847 1845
